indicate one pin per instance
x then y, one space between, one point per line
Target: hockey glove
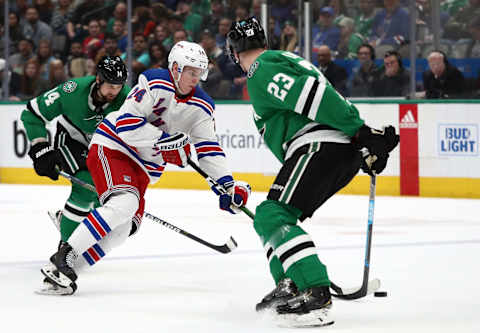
175 149
45 160
236 197
378 144
73 155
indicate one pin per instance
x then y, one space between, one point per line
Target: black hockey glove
379 144
45 160
73 155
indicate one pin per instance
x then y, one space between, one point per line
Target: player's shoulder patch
157 74
253 68
69 86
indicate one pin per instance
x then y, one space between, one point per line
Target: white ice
425 251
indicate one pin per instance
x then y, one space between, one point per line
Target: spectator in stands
361 84
62 14
192 22
44 57
92 68
442 80
283 10
14 81
217 85
142 22
44 8
158 55
473 50
452 6
273 39
457 26
18 60
57 73
339 9
160 35
120 32
217 13
15 32
335 74
31 83
140 57
241 12
288 38
82 14
200 7
223 27
94 41
33 28
180 35
393 79
327 33
390 26
119 13
256 9
349 40
364 21
76 64
175 23
425 21
110 48
160 14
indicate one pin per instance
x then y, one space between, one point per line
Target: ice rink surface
425 252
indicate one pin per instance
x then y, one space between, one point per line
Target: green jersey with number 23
288 93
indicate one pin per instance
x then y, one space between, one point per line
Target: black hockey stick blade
355 293
228 247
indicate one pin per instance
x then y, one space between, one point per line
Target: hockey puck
380 294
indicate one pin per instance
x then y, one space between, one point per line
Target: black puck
380 294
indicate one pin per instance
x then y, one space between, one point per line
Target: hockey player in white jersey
163 114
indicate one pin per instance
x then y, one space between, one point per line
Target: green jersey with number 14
72 103
288 94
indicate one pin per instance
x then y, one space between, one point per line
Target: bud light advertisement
458 139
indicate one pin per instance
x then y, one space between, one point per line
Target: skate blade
54 291
315 318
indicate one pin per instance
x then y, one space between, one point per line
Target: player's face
189 79
110 91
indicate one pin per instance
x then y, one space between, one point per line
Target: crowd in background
361 46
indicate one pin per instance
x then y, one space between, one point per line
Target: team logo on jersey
252 69
69 86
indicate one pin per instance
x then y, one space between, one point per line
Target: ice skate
308 308
50 288
285 289
61 272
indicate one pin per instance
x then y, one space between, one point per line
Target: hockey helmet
188 54
112 69
245 35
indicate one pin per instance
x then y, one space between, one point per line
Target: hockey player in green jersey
79 105
317 136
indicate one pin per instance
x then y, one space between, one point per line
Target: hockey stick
366 285
213 183
229 246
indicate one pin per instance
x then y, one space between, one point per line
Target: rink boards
438 153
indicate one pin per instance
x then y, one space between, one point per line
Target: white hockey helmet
188 54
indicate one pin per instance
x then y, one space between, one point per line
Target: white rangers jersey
151 112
